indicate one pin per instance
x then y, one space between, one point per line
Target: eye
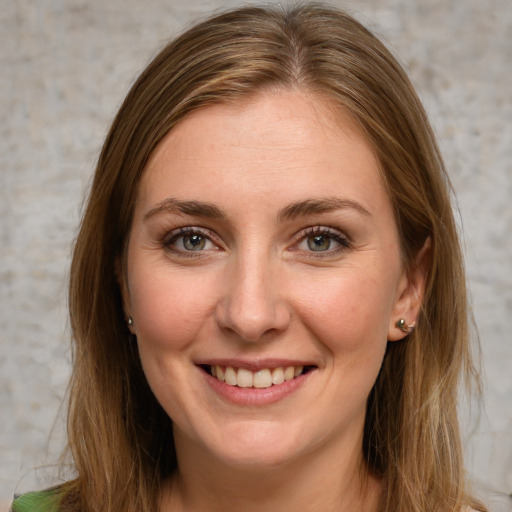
188 240
193 242
319 242
322 240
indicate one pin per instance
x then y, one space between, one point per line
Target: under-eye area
263 378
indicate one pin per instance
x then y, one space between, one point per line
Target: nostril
254 326
251 307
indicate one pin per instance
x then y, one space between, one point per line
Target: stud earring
402 325
130 321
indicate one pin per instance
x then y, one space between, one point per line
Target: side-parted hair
120 439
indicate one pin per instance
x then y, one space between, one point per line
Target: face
264 279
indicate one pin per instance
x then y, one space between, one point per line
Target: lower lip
256 396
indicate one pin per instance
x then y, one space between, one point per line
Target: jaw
268 478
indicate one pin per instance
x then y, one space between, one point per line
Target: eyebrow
321 205
292 211
194 208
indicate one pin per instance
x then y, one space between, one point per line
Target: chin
258 446
255 460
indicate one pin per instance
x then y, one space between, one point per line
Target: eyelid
323 230
171 236
341 238
334 233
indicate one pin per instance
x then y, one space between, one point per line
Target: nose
252 304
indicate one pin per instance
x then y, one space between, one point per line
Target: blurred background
65 68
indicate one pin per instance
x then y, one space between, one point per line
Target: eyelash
331 233
170 239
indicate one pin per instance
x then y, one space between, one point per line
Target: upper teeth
264 378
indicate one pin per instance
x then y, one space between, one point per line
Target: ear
410 290
122 282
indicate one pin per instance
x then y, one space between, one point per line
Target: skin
256 291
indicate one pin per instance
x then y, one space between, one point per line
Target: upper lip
254 365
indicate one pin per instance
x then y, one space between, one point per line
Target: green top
42 501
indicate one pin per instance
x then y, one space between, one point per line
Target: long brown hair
120 439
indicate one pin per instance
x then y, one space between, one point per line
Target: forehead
267 117
286 141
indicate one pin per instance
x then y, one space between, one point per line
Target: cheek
169 307
169 310
349 313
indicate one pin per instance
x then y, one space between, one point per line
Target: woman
267 294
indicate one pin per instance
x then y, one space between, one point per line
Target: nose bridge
253 305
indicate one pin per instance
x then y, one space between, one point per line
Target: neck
324 481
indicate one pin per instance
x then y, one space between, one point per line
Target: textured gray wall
66 65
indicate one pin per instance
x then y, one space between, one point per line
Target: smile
263 378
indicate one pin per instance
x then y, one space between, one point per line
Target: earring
130 321
402 325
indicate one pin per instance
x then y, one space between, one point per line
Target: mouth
260 379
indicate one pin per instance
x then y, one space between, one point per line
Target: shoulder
42 501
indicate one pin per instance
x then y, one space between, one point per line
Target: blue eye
194 242
189 240
323 240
